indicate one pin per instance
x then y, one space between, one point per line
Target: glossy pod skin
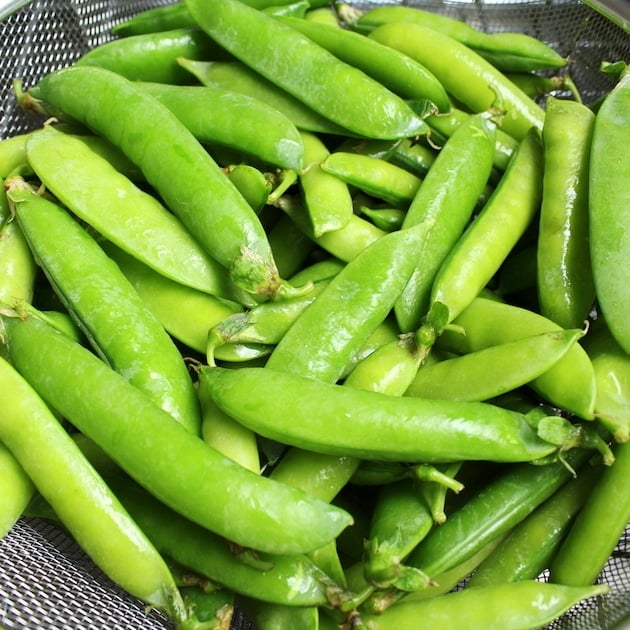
609 209
187 178
254 511
376 425
106 307
81 499
17 490
331 87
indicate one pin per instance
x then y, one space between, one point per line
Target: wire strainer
46 580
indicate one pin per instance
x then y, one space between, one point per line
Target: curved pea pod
513 606
188 180
376 425
153 56
447 198
374 176
495 370
145 442
401 74
612 373
477 84
609 209
335 89
326 198
90 187
81 499
236 120
387 219
569 384
158 19
236 76
268 616
106 307
565 280
13 155
252 183
17 490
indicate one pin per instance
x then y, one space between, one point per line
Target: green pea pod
401 74
236 76
536 54
335 89
493 371
527 549
326 198
374 176
237 121
416 157
17 489
537 85
612 373
447 197
13 154
158 19
278 617
81 499
387 219
291 248
106 306
569 384
119 210
145 442
609 213
153 56
186 177
565 281
251 183
486 243
375 426
475 83
513 606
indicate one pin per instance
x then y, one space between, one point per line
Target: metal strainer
46 581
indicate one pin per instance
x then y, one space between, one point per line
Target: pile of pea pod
321 314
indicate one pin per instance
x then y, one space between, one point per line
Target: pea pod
17 489
186 177
158 19
331 87
609 217
246 508
106 307
12 154
81 499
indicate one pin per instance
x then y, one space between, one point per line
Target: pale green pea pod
493 371
13 155
17 490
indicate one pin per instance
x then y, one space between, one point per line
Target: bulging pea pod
118 325
17 489
188 180
13 155
119 210
252 183
82 501
246 508
513 606
335 89
238 121
569 384
609 209
401 74
387 219
564 276
495 370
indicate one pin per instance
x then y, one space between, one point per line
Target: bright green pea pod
335 89
486 243
13 155
401 74
374 176
612 372
519 46
527 549
119 210
106 307
569 384
81 499
514 606
493 371
233 75
17 489
609 209
321 270
447 197
375 425
387 219
238 121
278 617
211 609
162 18
186 177
326 198
145 442
565 280
476 83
